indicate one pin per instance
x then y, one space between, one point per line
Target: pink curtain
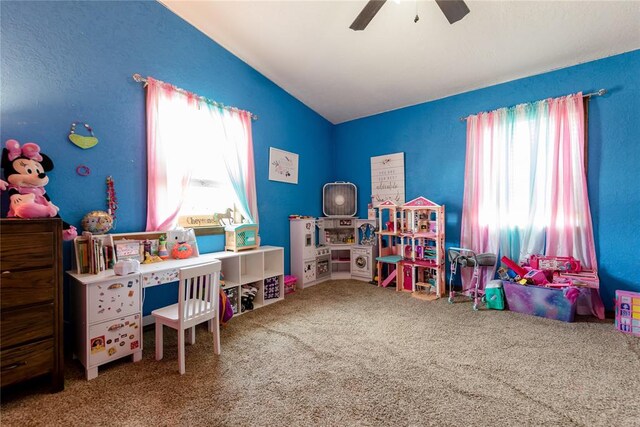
570 228
180 125
525 185
238 158
168 174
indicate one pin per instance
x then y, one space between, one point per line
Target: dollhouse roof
388 203
420 202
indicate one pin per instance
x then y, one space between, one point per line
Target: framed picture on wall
283 166
387 178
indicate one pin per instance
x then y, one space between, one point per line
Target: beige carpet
348 353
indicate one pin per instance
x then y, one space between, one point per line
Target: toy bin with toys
539 301
290 284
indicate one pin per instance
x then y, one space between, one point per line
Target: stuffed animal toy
177 238
25 169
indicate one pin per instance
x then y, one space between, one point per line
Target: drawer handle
13 366
6 272
115 286
116 327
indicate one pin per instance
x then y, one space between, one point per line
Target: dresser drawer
26 324
27 287
114 298
27 251
21 363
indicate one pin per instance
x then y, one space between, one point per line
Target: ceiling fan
454 10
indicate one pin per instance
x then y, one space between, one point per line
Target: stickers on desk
114 339
97 344
160 277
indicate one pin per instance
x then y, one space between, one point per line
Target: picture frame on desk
127 249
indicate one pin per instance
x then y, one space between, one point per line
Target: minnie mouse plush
25 170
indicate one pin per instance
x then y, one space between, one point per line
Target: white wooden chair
197 303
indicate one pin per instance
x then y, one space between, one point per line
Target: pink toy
25 170
536 276
515 267
407 251
628 312
290 284
556 263
571 293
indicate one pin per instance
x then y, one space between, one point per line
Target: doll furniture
422 241
198 295
31 341
389 261
411 245
240 237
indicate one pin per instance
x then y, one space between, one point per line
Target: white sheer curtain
180 126
238 158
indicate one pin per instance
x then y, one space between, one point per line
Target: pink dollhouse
411 242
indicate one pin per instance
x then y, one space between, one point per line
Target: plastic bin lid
494 284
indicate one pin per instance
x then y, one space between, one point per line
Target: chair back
199 287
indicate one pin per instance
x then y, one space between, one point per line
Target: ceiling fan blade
454 10
367 14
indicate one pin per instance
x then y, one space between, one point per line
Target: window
200 161
210 198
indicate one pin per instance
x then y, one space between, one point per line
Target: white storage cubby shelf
262 268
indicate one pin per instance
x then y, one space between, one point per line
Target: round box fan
339 199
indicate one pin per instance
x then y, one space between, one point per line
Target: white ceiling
307 48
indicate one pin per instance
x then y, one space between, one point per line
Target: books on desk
93 253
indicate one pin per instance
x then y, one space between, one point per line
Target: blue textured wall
68 61
72 61
433 140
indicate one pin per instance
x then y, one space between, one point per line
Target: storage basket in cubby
271 288
232 294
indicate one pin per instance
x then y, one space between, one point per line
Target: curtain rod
138 78
586 95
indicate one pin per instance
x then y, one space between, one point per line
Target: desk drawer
26 324
115 298
27 287
28 361
160 277
26 251
114 339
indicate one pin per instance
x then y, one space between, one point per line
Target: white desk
107 312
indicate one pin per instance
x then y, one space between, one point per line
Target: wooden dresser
31 339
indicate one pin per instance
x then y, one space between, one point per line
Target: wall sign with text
387 178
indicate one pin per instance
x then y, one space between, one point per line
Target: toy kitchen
336 246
